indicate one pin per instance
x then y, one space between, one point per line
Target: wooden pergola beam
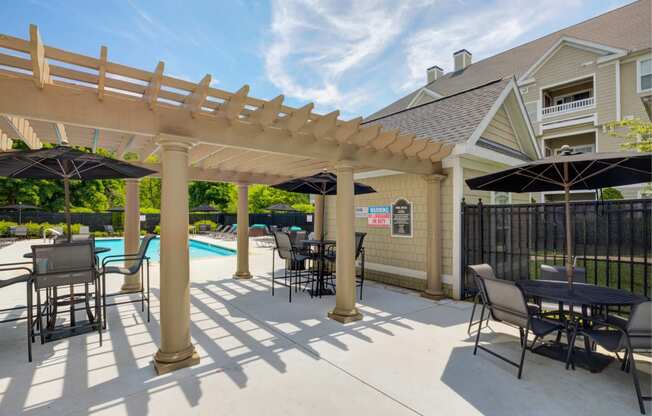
195 100
5 142
20 128
101 80
152 91
219 175
40 68
62 136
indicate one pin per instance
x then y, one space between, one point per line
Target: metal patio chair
636 335
65 265
290 255
507 304
25 276
331 256
479 271
132 263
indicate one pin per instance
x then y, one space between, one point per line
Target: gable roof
627 27
451 119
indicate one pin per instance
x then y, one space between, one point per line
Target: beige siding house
516 106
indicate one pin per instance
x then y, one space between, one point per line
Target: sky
355 56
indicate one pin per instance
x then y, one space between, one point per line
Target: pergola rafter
108 97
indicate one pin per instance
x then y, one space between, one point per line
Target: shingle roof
450 119
628 27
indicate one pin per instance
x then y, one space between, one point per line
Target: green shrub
100 234
211 224
5 226
81 210
157 229
610 194
150 211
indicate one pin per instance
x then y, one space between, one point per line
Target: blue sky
356 56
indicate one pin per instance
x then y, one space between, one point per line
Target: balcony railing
568 107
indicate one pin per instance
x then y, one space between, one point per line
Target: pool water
198 249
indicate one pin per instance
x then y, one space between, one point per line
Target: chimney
462 59
434 73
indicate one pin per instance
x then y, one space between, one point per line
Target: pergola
198 132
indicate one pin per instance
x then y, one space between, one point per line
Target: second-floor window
644 80
569 98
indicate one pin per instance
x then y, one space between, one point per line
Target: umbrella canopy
19 208
323 183
281 208
65 163
566 172
203 208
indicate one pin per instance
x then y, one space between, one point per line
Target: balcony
568 107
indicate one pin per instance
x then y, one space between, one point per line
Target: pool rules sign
402 218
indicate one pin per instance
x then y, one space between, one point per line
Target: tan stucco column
242 271
176 351
131 225
319 217
345 310
433 241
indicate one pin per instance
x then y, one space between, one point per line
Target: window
501 198
644 76
569 98
581 148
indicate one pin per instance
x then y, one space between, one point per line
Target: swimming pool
198 249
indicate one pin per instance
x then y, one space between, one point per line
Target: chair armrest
119 257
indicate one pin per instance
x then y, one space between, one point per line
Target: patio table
583 295
321 246
70 300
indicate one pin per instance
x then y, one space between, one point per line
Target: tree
262 196
611 194
636 133
217 194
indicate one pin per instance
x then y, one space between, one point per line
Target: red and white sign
379 216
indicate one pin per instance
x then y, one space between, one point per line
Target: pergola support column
176 350
345 310
319 217
433 243
242 271
131 223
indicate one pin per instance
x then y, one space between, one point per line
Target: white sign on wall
361 212
143 218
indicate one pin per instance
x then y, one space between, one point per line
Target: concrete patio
263 355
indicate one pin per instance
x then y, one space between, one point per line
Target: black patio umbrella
116 209
65 163
19 208
566 172
322 183
280 208
203 208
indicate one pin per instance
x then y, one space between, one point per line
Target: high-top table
321 246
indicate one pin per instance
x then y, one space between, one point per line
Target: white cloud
484 31
355 55
315 46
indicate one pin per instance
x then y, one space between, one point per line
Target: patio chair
507 304
479 271
290 255
109 230
202 229
65 265
635 336
25 276
359 258
217 231
54 232
132 263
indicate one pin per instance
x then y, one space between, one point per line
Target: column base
166 362
242 275
345 316
433 294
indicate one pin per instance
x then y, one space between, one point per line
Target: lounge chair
202 229
218 231
19 231
109 230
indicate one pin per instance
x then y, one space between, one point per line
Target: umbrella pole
569 243
20 216
323 215
66 191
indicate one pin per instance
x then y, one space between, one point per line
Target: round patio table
583 295
321 251
96 250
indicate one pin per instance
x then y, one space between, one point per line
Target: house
519 105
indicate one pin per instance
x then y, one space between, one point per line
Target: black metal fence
97 220
612 240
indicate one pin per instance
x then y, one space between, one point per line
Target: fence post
463 243
481 214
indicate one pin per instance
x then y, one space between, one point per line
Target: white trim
494 156
528 122
638 74
418 96
569 107
618 99
376 174
591 118
611 53
568 81
391 219
458 193
395 270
